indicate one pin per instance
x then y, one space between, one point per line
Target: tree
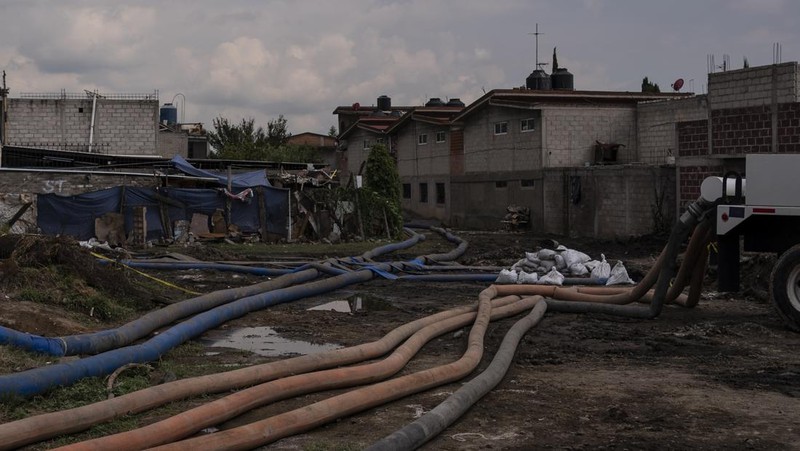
277 133
245 141
648 86
332 132
242 141
383 180
555 61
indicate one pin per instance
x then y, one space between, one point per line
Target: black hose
415 434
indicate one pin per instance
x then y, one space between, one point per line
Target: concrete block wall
432 209
126 127
570 133
356 154
480 201
484 151
614 202
789 128
422 159
755 86
173 143
656 123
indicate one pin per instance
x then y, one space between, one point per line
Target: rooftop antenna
777 53
536 33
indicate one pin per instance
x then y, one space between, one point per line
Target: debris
517 217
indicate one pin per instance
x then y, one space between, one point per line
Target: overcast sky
259 59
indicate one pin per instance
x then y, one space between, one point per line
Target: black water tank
538 79
455 101
384 103
562 79
434 101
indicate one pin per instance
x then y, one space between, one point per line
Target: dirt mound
57 271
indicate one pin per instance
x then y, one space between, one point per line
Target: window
501 184
527 125
440 193
440 137
422 139
423 193
527 183
367 145
406 191
501 128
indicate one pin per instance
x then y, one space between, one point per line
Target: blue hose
38 380
256 271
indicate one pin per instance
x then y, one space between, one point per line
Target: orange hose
41 427
308 417
218 411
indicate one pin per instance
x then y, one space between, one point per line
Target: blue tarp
239 181
75 215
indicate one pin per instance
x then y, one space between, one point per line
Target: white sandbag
619 275
571 256
546 254
560 263
552 278
561 248
532 256
519 264
506 276
547 265
591 264
603 270
527 278
578 270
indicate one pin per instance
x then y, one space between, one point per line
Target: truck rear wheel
785 287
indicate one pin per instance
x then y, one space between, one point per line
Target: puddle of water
262 341
356 303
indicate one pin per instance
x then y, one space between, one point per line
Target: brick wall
656 123
741 130
789 128
570 133
691 177
692 138
126 127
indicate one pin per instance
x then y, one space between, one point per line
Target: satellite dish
356 106
678 84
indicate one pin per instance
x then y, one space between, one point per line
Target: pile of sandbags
551 266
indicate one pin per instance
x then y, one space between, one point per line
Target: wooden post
358 211
386 224
228 199
262 212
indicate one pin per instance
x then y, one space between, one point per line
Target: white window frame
527 125
367 144
443 135
499 126
422 139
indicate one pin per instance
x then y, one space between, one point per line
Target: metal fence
64 95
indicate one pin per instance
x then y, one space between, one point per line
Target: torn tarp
240 181
75 215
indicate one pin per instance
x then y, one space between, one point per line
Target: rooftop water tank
384 103
538 79
434 101
455 101
168 114
562 79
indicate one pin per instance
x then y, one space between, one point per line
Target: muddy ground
725 375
